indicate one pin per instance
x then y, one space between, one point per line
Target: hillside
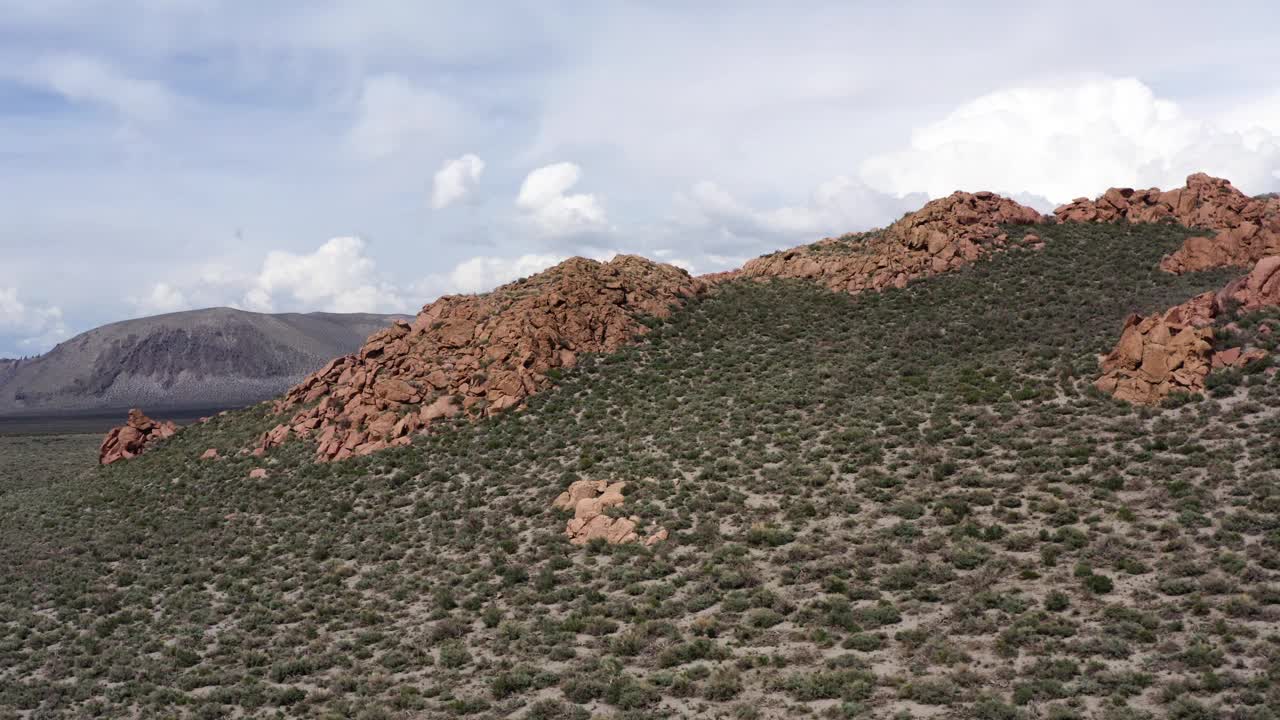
217 357
903 503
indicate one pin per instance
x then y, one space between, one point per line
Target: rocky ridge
194 359
483 354
1247 229
1173 351
945 234
476 355
133 438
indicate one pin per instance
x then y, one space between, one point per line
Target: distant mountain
217 357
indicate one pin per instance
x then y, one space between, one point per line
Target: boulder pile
1173 351
943 235
1161 354
131 439
1259 289
476 355
588 499
1246 229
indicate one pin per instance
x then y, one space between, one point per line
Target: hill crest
216 357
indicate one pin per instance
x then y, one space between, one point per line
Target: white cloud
37 327
837 206
394 113
1073 140
82 78
1252 117
543 196
485 273
337 277
454 180
163 298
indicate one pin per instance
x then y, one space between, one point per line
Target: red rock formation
1172 352
477 354
588 500
1247 229
1260 288
131 439
1161 354
943 235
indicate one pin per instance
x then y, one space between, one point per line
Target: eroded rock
1161 354
1260 288
477 355
588 499
943 235
1246 229
1173 351
132 439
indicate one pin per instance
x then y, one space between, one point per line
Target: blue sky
157 156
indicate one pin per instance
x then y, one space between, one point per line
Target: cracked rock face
943 235
1246 229
131 439
588 499
477 355
1173 351
1161 354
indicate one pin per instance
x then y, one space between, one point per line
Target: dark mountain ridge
216 357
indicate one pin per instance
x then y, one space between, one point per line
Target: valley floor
909 504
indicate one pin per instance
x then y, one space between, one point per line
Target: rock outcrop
1173 351
1246 229
131 439
588 499
477 355
1260 288
943 235
1161 354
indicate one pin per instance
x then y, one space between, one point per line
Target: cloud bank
1062 142
37 327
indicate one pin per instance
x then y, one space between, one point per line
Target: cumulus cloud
479 274
337 277
1073 140
36 327
543 197
81 78
394 112
454 180
162 298
837 206
1253 117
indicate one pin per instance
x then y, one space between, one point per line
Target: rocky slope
1174 351
200 358
131 439
480 355
7 367
477 354
1247 229
943 235
874 503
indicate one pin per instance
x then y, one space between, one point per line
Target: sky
161 155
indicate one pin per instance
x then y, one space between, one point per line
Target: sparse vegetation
909 501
